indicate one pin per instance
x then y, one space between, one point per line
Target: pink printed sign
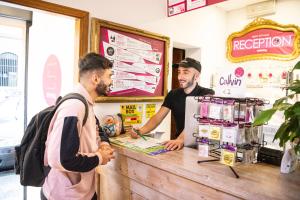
176 7
263 41
51 80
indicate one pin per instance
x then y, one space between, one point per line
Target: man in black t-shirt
188 73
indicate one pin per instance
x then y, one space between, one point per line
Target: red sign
176 7
264 39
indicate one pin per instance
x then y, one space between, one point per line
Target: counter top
257 181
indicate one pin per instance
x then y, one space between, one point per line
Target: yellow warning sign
150 110
132 114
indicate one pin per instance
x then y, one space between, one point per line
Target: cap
189 62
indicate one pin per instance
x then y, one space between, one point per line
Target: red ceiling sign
264 39
176 7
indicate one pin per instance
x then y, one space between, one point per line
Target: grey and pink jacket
71 151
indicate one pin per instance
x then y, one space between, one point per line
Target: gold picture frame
97 25
261 23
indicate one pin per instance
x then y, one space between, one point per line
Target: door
13 34
178 55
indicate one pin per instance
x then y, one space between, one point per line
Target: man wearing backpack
72 150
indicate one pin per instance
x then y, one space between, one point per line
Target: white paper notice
123 75
177 9
146 88
119 75
148 55
148 79
173 2
121 66
149 68
192 4
125 42
114 53
120 84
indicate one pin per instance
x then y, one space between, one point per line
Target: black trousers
44 198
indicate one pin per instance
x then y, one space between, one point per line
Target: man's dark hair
93 61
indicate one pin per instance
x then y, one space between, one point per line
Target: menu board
139 59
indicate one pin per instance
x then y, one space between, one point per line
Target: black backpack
30 154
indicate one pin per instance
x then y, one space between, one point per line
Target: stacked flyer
150 146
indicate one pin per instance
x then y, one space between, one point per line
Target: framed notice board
140 61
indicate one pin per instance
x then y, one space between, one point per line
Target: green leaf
297 66
282 106
296 107
288 113
279 101
293 135
264 116
294 86
281 130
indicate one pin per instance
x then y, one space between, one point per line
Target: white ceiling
236 4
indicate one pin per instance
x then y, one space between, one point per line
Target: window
8 69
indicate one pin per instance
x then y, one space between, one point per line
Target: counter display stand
225 129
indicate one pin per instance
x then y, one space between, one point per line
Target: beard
187 83
102 89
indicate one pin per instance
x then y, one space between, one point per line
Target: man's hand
173 144
133 134
105 146
107 154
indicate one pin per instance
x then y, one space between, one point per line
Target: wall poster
140 61
132 113
264 39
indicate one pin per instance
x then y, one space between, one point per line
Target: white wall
287 12
203 32
200 29
46 40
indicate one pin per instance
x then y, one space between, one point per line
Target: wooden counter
177 175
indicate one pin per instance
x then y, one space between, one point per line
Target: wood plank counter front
177 175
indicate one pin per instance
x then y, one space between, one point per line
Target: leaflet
149 68
148 55
121 66
123 75
147 88
115 53
119 83
148 79
126 42
118 75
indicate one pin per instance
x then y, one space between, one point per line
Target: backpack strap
75 96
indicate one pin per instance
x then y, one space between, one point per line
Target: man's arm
153 122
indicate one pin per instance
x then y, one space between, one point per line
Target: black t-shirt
175 101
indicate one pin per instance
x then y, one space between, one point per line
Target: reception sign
264 39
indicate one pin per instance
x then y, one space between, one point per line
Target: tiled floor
11 189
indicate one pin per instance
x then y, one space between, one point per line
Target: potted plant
289 130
